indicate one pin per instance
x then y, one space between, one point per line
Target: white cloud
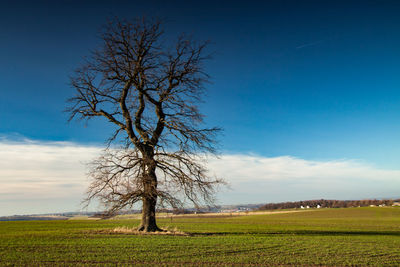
262 179
38 177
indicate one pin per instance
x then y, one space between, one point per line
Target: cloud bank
42 177
45 177
256 179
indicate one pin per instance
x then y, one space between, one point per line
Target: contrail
309 44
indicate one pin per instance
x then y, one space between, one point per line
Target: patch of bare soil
230 214
133 231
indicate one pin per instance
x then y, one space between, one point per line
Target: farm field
328 237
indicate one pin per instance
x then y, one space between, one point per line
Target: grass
325 237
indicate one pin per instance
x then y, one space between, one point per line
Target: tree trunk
149 215
149 200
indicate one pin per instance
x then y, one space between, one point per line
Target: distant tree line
31 218
325 203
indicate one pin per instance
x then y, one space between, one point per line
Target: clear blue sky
305 86
312 79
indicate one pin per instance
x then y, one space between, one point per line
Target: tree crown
151 94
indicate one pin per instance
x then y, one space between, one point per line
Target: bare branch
150 93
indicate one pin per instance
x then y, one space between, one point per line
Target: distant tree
150 93
327 204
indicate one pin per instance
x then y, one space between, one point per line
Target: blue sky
311 80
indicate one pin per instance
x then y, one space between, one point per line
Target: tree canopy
150 92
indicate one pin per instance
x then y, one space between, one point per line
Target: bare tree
150 93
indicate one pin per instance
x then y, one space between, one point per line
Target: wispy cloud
38 177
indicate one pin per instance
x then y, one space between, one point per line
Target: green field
328 237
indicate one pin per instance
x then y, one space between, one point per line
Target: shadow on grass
304 232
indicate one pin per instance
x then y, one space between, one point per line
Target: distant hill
321 203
